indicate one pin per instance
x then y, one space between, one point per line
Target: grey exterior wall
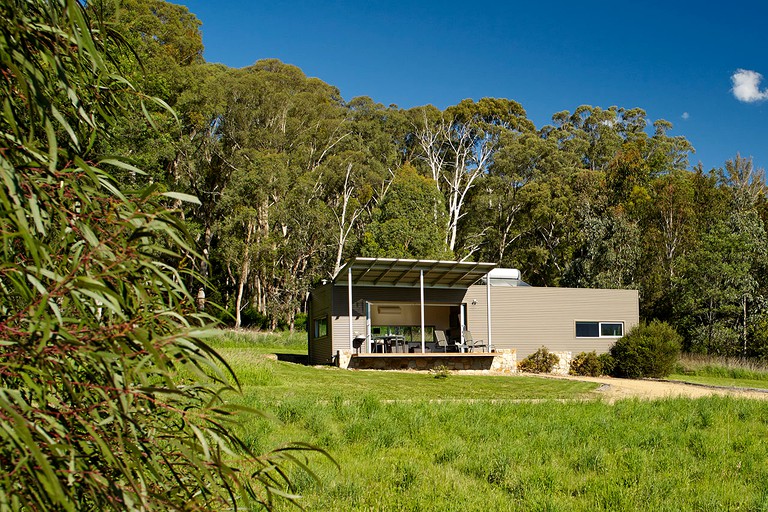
523 318
319 349
527 318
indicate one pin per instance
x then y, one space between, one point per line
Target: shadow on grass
293 358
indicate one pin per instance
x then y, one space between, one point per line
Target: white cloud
685 115
746 86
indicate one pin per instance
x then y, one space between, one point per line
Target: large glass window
599 329
321 327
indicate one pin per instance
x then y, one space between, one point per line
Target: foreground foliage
95 320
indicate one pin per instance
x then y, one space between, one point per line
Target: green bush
648 350
607 363
541 361
300 322
587 364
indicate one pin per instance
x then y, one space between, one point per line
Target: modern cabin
397 306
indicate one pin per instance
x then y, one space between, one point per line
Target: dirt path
614 389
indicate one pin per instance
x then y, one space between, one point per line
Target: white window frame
599 329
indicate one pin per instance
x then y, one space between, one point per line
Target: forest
292 179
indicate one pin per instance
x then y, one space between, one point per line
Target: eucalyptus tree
109 397
354 180
167 40
283 126
409 221
715 284
458 147
591 132
747 184
746 189
498 213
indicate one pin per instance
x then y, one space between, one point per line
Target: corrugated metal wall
319 349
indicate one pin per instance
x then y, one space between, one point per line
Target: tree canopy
293 179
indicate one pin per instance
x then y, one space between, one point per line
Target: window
321 327
599 329
611 329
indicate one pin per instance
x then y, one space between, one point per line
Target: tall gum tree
458 146
409 220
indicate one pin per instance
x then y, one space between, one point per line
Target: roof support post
349 304
421 293
488 301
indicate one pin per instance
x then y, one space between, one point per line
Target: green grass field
409 441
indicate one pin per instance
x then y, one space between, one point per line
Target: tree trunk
244 270
744 301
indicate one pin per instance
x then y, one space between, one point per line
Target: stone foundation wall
564 364
504 361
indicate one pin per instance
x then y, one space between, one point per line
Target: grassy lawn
266 380
409 441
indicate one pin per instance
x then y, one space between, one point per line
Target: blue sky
676 60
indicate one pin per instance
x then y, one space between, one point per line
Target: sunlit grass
735 367
675 454
409 441
263 342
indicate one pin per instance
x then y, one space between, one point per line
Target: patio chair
441 341
473 344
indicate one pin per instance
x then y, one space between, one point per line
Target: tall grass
408 441
263 341
674 454
723 367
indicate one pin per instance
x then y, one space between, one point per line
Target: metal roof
406 273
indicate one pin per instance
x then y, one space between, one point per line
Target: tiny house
397 305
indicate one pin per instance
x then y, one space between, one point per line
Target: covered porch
410 306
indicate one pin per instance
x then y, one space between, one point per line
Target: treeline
293 179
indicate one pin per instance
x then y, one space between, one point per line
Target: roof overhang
407 273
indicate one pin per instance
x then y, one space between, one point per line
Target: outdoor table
393 342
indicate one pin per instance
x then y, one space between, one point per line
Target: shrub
586 364
440 372
648 350
607 363
300 322
253 319
541 361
